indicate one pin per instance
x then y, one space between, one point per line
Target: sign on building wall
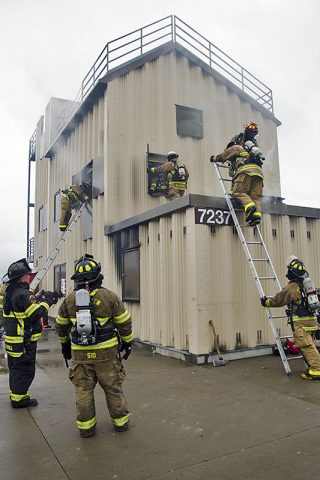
213 216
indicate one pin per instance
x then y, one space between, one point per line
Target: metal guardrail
142 40
32 146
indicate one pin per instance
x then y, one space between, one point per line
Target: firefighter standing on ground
22 324
303 321
247 177
95 357
177 176
72 197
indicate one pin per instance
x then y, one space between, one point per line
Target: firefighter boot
255 219
311 375
88 433
249 211
27 402
121 428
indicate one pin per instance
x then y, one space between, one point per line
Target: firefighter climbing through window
302 300
173 177
71 198
245 169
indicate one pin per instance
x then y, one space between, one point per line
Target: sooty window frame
189 121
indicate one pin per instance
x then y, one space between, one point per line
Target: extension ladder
49 261
264 257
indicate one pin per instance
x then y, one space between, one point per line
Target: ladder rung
254 243
280 316
292 357
286 336
266 278
226 179
260 259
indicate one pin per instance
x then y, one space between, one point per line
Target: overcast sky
46 48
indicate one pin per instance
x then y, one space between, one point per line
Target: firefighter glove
212 158
263 301
63 228
127 347
50 298
66 350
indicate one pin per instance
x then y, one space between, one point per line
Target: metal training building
176 264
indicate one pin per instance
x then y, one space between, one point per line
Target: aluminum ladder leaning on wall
264 257
49 261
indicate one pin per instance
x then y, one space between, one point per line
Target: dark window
274 232
309 234
292 233
130 264
60 273
40 219
56 206
189 122
131 275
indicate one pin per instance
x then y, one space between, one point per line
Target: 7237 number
213 216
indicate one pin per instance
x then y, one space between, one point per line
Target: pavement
245 420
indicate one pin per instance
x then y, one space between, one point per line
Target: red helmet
250 130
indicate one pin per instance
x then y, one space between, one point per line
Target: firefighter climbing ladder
49 261
264 257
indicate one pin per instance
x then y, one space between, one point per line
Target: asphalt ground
245 420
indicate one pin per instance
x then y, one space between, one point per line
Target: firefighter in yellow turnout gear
95 333
303 321
177 176
71 198
22 324
247 177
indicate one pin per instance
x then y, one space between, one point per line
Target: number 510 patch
213 216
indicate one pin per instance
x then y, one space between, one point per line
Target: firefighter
92 339
302 319
245 169
249 133
177 175
72 197
22 324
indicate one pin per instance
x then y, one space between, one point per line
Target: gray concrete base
202 359
245 421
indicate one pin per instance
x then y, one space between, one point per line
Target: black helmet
87 270
250 131
17 269
296 270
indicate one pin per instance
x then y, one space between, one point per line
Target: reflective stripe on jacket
23 324
111 316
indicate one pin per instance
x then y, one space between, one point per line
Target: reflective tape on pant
18 398
119 422
314 373
87 425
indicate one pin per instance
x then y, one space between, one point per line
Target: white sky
47 46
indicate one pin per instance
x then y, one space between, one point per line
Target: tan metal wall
141 110
189 275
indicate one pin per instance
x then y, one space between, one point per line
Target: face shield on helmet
296 270
87 270
18 269
172 156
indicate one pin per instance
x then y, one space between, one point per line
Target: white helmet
172 155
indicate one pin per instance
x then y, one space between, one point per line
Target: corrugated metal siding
141 111
189 274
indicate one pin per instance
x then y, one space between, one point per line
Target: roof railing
142 40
